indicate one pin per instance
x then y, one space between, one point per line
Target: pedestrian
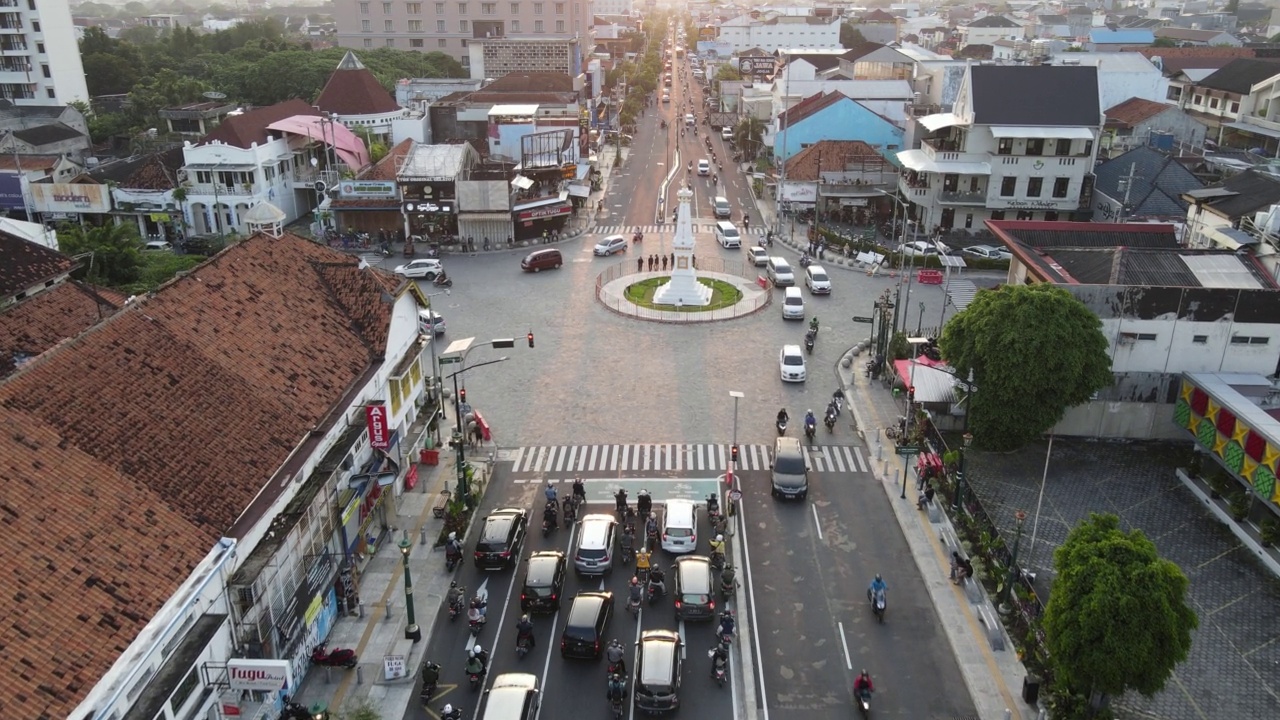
510 242
693 260
822 249
955 565
664 263
673 261
640 264
486 244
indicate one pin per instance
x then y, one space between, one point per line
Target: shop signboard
545 212
70 198
11 192
260 675
367 188
299 608
376 420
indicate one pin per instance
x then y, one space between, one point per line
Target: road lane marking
749 587
816 523
848 662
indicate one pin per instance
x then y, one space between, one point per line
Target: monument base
683 290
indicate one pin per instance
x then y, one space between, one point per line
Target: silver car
610 245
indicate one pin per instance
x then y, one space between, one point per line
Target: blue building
832 116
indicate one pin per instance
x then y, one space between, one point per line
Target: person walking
640 264
664 263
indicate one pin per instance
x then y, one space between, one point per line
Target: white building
39 56
988 29
807 31
1020 141
612 7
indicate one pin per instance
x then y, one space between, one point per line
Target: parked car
924 248
610 245
156 245
791 364
815 278
501 538
543 582
422 268
431 322
988 252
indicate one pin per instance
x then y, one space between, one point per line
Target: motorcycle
830 420
475 623
633 606
809 429
570 512
809 338
727 588
719 664
617 708
429 688
864 703
452 557
654 591
523 643
717 561
455 607
877 603
805 260
294 711
713 508
338 657
474 679
639 236
442 280
837 401
549 520
782 426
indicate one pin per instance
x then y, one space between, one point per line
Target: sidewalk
993 677
378 632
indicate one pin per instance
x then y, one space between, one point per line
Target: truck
719 120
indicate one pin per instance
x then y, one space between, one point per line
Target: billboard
11 192
68 198
260 675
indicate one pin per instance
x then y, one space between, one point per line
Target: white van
680 526
779 272
792 304
727 234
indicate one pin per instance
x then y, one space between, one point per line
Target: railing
967 197
219 189
618 303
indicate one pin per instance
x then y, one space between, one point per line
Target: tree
850 36
1034 350
1164 42
728 72
1118 617
117 251
749 135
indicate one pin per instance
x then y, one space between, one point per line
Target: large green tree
1117 618
113 253
1035 350
850 36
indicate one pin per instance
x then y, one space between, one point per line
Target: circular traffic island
723 295
736 291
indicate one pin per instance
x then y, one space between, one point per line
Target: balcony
220 190
963 197
943 151
307 175
913 190
13 47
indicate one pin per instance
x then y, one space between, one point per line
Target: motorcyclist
713 504
642 561
549 512
451 713
481 654
453 547
728 578
628 542
430 674
721 524
616 655
717 546
579 491
616 689
657 581
651 525
862 687
810 419
480 603
550 492
719 656
475 663
456 595
783 418
813 324
644 503
635 591
726 623
620 500
568 509
877 585
524 631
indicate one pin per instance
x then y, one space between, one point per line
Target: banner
261 675
375 417
66 198
545 212
367 188
11 192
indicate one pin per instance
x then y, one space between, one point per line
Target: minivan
727 234
540 260
779 272
694 591
596 536
792 304
513 696
584 630
721 207
658 660
789 470
679 526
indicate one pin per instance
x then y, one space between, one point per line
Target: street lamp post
920 322
898 202
459 435
411 631
733 453
964 453
1004 608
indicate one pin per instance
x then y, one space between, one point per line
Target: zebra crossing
572 460
698 227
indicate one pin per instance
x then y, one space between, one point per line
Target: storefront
363 508
545 215
494 227
430 208
368 206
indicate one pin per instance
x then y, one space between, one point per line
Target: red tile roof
29 162
130 450
243 131
830 156
531 82
40 322
26 264
809 106
352 89
1133 111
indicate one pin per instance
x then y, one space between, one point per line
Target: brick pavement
1233 670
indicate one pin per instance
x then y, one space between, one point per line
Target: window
1005 147
1035 146
440 26
1175 93
40 48
997 214
466 61
464 42
968 221
1063 147
439 8
1235 108
368 42
52 95
464 26
1033 186
515 8
488 8
537 26
1008 186
366 26
1060 186
413 8
44 69
462 8
442 43
388 25
559 8
1213 103
1201 339
364 8
415 26
415 42
537 8
1199 99
35 26
515 26
386 8
1088 147
1132 336
1247 340
559 26
391 42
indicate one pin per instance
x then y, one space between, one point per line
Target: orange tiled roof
809 106
385 169
26 264
130 450
1133 111
834 156
243 131
40 322
352 89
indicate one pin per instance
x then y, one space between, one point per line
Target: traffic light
733 454
530 336
911 393
462 395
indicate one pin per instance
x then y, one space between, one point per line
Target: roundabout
735 292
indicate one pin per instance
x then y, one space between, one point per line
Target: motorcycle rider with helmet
862 687
451 713
615 654
726 623
877 585
717 548
456 595
634 599
524 631
616 689
783 418
657 581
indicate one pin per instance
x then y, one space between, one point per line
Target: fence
750 303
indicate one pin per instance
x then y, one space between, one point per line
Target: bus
679 53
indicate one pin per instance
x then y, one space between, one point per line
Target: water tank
1162 141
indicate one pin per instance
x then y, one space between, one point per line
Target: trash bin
429 457
1030 689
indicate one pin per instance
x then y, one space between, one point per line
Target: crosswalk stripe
568 460
698 226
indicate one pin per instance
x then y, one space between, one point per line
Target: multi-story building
501 56
799 31
988 29
1020 141
450 26
39 57
612 7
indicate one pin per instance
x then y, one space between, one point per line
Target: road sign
907 450
735 495
451 360
861 319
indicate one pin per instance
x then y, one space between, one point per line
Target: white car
690 120
610 245
815 278
988 252
430 321
791 364
157 245
759 256
922 248
726 133
666 98
427 268
704 167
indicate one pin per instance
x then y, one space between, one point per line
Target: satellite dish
320 186
214 95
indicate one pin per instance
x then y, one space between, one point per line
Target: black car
658 662
584 630
501 537
543 582
695 588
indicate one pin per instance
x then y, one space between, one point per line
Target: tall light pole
459 435
411 631
898 202
733 451
964 453
1003 607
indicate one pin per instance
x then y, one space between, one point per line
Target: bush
158 267
1270 531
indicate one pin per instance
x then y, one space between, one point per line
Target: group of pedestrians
656 262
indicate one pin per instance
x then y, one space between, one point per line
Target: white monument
683 289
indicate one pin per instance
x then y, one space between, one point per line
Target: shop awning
932 385
484 216
1046 133
540 202
937 121
580 191
544 211
920 162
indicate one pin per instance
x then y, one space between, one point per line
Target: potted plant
1238 504
1269 530
1219 485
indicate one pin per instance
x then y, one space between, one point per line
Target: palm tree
749 135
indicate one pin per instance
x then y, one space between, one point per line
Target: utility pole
1126 183
817 188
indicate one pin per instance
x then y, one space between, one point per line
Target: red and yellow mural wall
1245 451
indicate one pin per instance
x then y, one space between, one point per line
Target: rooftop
993 21
353 90
244 130
1121 37
40 322
46 134
224 369
27 264
1177 33
531 82
1240 75
1158 182
1240 195
1047 95
809 106
831 156
1133 111
433 161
